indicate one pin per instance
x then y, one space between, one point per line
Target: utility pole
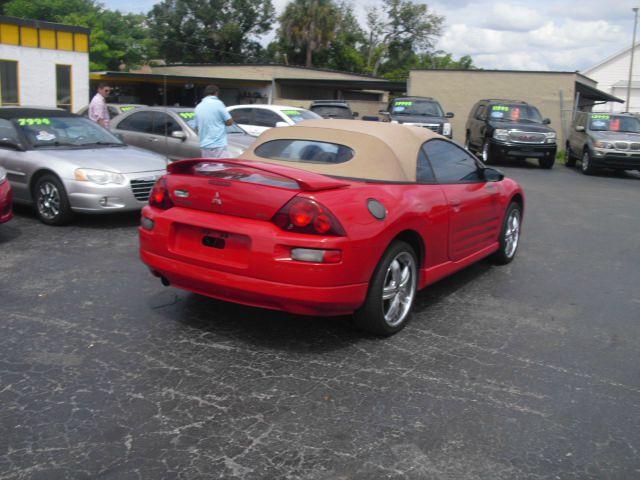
633 46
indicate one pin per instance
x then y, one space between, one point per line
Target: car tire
509 235
392 291
547 163
587 163
486 152
51 201
569 158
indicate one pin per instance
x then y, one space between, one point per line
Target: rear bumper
520 150
292 298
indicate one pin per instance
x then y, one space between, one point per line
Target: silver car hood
239 142
114 159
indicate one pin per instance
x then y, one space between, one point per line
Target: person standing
212 119
98 111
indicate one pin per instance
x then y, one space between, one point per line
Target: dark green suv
501 129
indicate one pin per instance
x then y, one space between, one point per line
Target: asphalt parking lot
524 371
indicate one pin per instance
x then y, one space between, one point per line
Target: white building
612 75
43 63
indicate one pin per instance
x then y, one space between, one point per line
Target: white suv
255 119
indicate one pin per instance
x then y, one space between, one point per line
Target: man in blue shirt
212 119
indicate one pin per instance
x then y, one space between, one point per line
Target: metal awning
364 84
173 79
591 93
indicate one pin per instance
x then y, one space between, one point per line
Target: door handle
455 204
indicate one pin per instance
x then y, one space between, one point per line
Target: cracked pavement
525 371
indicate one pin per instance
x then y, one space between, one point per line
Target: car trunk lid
241 188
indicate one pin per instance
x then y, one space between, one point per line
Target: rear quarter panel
410 208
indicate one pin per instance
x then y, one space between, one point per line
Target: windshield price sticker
23 122
402 104
291 112
187 115
601 116
126 109
499 108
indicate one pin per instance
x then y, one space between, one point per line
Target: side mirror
12 144
179 134
492 174
449 115
546 121
383 112
355 114
282 124
579 128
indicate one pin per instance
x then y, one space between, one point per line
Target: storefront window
9 82
63 86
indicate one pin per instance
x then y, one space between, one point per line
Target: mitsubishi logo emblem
216 199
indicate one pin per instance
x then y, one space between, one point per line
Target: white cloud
511 17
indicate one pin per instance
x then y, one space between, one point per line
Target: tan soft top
383 151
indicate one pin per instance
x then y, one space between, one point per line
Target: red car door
474 209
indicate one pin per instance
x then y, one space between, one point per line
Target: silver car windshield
189 116
604 122
65 132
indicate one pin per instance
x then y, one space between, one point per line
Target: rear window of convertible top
307 151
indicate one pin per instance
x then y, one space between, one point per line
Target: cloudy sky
558 35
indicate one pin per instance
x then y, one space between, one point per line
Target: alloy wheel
512 233
48 201
399 288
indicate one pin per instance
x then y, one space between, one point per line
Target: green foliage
400 24
209 31
309 26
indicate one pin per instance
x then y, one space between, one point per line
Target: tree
209 31
440 60
344 51
309 25
116 38
400 23
50 10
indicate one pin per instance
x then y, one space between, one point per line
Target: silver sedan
171 131
63 163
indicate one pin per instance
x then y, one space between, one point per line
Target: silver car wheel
48 200
512 233
399 288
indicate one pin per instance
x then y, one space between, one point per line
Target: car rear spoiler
307 181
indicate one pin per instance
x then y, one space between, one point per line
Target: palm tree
309 25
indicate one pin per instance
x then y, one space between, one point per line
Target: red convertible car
330 217
6 211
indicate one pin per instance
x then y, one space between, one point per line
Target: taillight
304 215
159 197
